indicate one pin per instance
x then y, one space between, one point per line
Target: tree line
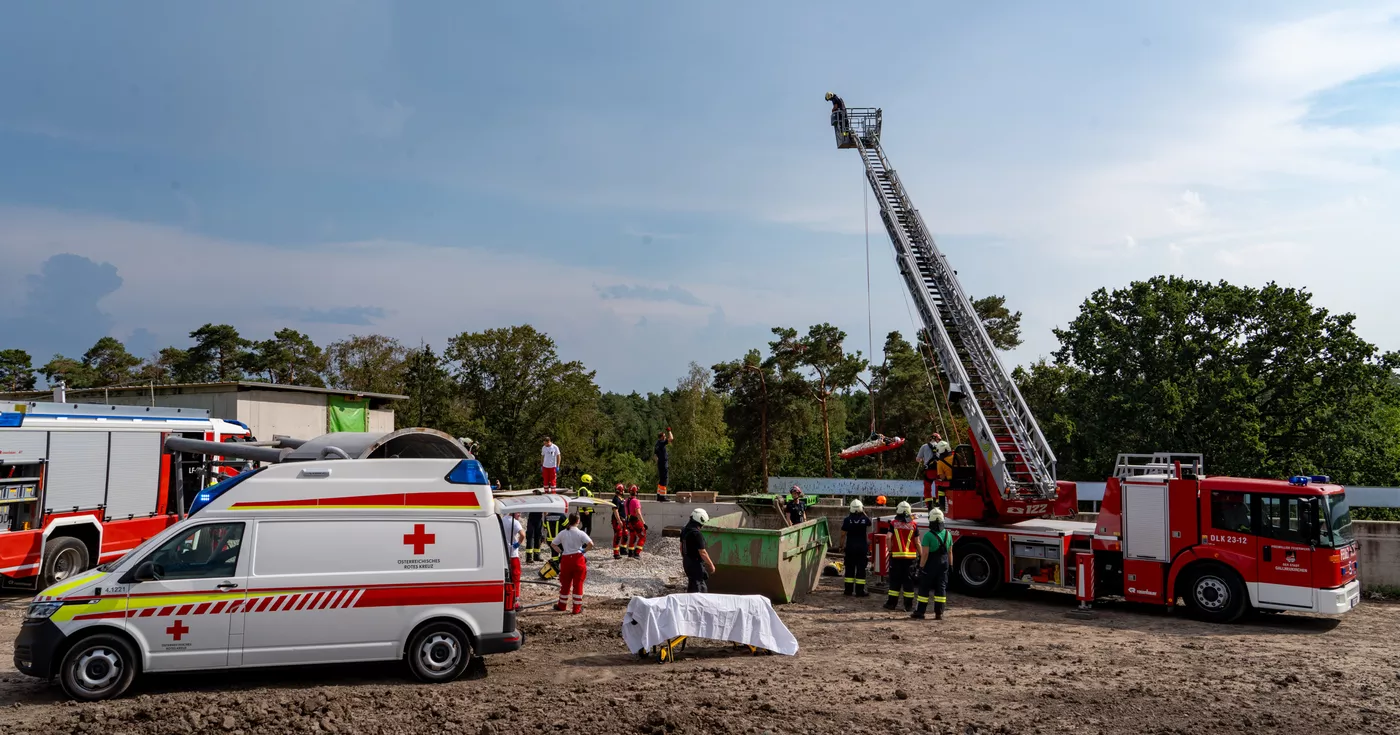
1257 379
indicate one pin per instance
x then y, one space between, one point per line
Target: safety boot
860 589
918 613
850 589
893 602
908 604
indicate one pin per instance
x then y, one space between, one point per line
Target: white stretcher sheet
749 619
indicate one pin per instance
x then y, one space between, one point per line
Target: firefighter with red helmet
904 554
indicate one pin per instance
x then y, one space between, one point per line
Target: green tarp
347 414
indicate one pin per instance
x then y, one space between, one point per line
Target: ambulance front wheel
98 667
439 652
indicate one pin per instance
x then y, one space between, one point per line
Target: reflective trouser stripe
850 580
940 599
909 594
923 600
894 593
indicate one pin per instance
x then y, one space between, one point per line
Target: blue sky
653 183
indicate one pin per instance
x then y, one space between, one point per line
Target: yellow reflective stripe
70 584
940 599
72 610
923 599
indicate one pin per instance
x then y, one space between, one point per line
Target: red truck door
1285 552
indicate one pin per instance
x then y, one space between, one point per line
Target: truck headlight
41 610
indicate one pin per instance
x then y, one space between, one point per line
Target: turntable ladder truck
1166 534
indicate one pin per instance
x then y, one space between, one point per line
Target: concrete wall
380 419
1380 552
220 405
659 516
266 412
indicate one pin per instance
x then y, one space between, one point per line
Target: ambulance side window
201 552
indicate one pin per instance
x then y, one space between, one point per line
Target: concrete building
267 409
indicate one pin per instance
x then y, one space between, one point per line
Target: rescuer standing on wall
935 558
570 545
663 463
853 540
904 553
549 464
585 513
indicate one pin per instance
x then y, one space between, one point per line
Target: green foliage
1375 514
370 363
1002 325
819 360
289 358
219 355
433 399
16 370
109 363
519 391
72 373
1258 380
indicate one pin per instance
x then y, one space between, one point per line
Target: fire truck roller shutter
133 477
77 474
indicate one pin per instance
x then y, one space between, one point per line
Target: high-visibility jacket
904 540
584 492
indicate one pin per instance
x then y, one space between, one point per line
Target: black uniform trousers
534 536
902 581
585 522
855 562
933 582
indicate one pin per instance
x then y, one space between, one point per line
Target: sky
656 183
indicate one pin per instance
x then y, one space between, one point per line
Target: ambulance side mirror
145 572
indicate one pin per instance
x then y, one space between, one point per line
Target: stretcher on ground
659 627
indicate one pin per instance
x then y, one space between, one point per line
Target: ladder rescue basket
875 445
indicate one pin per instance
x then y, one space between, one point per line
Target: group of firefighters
918 565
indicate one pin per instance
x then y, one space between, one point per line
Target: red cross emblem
177 630
419 540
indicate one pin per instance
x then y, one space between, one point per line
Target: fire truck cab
82 484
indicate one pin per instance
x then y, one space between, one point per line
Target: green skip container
758 555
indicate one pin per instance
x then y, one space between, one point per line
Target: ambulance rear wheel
977 569
64 557
97 667
439 652
1215 594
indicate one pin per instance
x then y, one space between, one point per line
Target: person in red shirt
636 524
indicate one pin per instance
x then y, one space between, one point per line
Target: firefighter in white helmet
853 539
695 556
904 554
935 559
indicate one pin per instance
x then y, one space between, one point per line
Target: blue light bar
208 494
11 420
467 472
1299 480
1321 479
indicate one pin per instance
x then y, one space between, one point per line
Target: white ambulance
298 563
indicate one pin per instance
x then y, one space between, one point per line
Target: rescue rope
869 310
928 374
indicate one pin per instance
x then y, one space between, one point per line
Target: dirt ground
1007 665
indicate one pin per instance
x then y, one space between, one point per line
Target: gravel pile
646 576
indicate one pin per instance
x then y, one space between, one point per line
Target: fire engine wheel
439 652
978 569
1215 594
97 667
64 557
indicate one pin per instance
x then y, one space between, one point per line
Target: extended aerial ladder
1003 431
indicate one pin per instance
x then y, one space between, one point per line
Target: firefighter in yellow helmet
585 513
904 554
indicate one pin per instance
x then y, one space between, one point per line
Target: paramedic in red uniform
636 524
549 464
571 543
514 534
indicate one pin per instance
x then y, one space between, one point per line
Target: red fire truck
1165 532
82 484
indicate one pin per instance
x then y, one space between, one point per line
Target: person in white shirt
515 534
550 457
571 543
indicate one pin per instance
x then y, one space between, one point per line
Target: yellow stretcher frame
666 652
